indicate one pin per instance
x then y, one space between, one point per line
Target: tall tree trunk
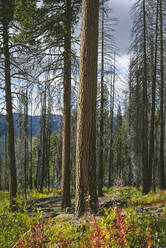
139 123
25 141
144 110
162 172
111 156
59 159
47 159
48 141
154 66
66 110
48 134
119 142
43 169
86 197
130 176
39 161
0 174
101 164
31 159
156 158
9 116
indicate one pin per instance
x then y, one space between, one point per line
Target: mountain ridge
56 123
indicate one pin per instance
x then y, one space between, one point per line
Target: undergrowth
112 230
31 194
15 224
118 228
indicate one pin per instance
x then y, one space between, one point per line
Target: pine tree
6 15
86 197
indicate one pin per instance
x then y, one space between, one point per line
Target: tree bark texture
86 197
101 164
144 110
111 156
153 107
43 136
162 172
9 117
31 155
26 152
66 110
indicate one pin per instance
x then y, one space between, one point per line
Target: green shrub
14 224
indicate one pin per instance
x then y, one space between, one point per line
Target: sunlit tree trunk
86 197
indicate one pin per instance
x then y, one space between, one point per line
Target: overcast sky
121 10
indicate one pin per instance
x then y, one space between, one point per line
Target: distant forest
55 124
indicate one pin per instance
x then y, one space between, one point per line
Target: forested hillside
56 123
82 140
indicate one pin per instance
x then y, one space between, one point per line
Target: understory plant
13 224
117 228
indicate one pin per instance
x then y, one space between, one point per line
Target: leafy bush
126 193
14 224
118 228
112 230
115 228
148 230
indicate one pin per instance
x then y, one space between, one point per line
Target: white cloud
123 64
121 84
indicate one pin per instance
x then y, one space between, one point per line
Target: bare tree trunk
0 176
111 156
47 159
86 197
130 176
144 111
162 172
48 142
155 167
101 165
154 66
9 116
43 175
59 159
38 169
39 152
119 142
66 202
31 159
25 142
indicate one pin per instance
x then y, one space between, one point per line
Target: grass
31 194
14 224
34 194
134 197
18 229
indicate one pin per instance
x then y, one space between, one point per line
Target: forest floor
125 219
50 207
